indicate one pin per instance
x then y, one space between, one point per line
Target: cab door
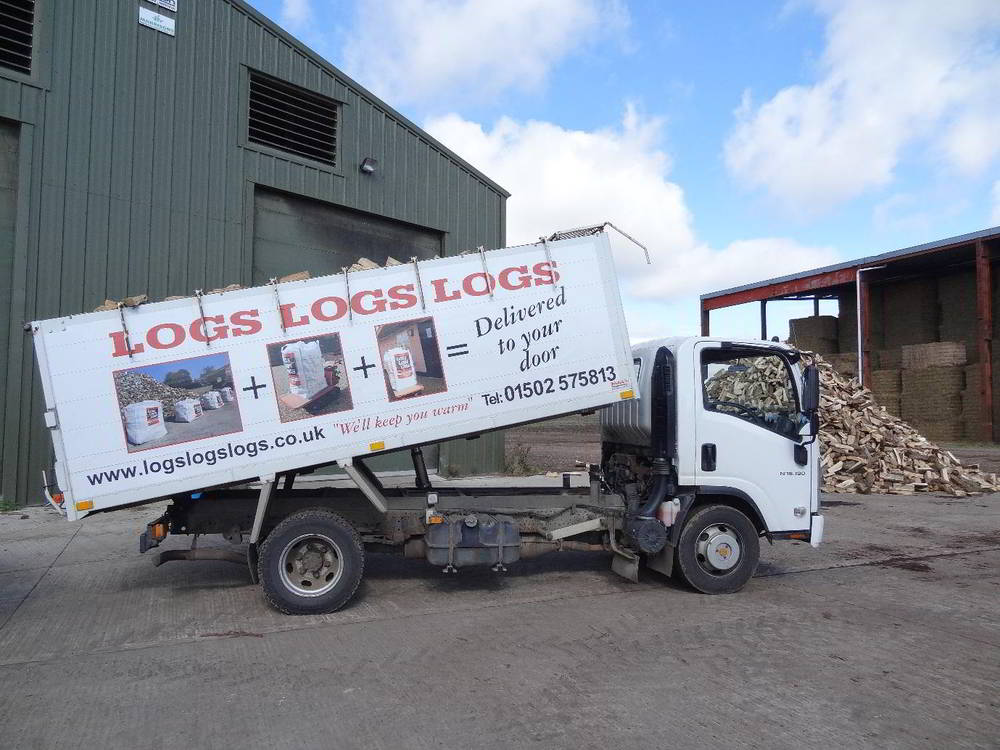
748 424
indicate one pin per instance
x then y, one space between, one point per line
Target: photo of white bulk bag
144 422
227 394
399 367
304 365
187 410
211 400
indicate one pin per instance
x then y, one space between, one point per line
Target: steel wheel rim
311 565
719 549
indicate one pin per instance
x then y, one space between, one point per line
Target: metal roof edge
245 7
867 260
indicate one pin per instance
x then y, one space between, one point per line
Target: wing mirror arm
810 400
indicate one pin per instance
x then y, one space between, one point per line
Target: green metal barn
158 148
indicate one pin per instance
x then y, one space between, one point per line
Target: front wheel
718 550
311 563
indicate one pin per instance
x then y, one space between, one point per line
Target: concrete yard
888 636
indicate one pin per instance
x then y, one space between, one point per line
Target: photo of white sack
310 377
304 366
144 422
178 401
212 400
187 410
411 358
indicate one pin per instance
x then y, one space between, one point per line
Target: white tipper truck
219 402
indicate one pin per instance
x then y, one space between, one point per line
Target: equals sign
457 350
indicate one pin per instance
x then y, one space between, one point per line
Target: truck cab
727 431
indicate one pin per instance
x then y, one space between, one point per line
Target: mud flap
626 566
662 561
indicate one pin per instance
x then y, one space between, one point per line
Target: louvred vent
17 34
292 119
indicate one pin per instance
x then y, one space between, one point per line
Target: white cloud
995 213
435 50
920 73
296 13
562 178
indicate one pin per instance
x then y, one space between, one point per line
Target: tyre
718 550
311 563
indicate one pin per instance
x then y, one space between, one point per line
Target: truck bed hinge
420 285
277 301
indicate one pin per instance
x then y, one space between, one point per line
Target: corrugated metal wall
135 177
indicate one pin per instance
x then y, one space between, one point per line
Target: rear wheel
311 563
718 550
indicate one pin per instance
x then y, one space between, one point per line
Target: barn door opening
292 233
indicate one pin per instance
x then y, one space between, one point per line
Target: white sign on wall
156 21
170 5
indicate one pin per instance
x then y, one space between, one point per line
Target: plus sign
365 367
254 387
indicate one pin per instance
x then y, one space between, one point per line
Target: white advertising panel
170 397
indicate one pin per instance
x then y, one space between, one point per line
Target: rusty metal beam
793 286
823 279
984 317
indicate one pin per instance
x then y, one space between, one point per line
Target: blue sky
195 366
739 140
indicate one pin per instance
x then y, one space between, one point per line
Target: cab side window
754 387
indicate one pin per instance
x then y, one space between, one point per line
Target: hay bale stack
847 322
911 311
887 387
816 333
931 401
933 378
958 319
844 363
935 354
888 359
973 414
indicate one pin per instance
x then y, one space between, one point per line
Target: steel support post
984 315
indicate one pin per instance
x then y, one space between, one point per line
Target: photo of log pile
134 387
865 449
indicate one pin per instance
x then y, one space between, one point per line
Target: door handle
708 456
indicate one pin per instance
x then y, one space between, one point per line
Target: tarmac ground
886 636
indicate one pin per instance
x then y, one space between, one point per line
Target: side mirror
810 389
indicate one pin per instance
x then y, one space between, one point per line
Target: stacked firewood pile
865 448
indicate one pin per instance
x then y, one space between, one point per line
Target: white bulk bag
227 394
304 365
399 366
211 400
187 410
144 422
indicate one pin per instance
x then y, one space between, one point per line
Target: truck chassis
306 546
